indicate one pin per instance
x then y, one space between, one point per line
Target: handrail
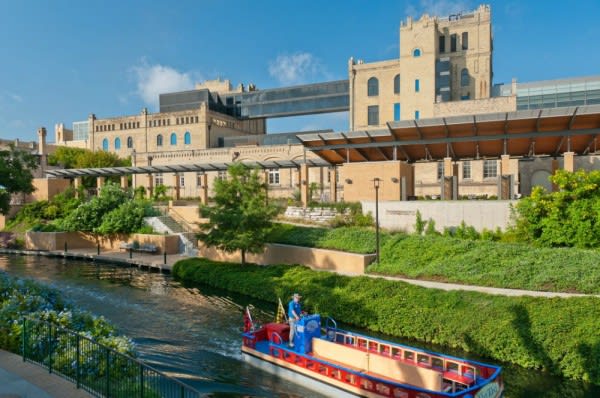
180 220
95 367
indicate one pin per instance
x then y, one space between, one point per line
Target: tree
15 174
241 217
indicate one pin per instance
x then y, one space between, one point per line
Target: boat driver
294 312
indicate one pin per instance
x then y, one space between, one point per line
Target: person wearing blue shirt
294 312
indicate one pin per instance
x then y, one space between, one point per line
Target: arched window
173 139
397 84
187 138
464 77
159 140
129 142
117 143
372 87
417 52
105 144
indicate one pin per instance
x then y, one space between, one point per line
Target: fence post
77 377
50 346
24 339
107 395
141 381
182 391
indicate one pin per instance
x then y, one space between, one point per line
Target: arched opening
159 140
187 138
417 52
105 144
372 87
397 84
117 143
129 142
173 139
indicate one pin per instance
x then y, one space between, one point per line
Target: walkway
481 289
20 379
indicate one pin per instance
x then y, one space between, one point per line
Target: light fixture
348 181
395 180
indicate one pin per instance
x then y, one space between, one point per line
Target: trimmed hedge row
350 239
557 335
484 263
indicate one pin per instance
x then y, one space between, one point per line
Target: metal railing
94 367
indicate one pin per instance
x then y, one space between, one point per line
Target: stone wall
320 259
488 214
317 214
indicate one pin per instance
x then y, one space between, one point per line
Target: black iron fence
94 367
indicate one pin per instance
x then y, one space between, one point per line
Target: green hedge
507 265
557 335
350 239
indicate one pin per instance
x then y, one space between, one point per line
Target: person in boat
294 313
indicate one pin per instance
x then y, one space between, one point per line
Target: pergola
551 131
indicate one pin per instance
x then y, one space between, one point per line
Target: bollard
165 257
98 248
130 252
65 246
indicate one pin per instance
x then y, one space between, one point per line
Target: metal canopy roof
549 131
194 167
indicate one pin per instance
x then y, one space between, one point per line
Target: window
417 115
373 115
417 85
196 119
442 44
466 175
465 41
396 111
129 142
181 181
440 170
187 138
159 140
274 177
397 84
373 87
158 179
222 175
453 43
490 168
417 52
117 143
464 77
105 144
173 139
199 177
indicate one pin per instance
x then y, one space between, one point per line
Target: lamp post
376 183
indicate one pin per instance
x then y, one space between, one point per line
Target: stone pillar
204 189
449 185
569 161
333 184
42 151
304 184
124 182
555 166
77 182
506 179
150 185
176 186
99 184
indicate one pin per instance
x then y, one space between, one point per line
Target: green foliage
241 217
350 239
419 224
568 217
127 218
557 335
430 230
160 193
16 176
349 215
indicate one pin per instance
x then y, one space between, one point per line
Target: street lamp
376 182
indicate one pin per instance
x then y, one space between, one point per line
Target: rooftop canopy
551 131
181 168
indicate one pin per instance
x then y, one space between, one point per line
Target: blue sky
63 60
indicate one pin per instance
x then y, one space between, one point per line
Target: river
193 332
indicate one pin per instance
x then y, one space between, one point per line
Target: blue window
417 85
187 138
117 143
465 97
129 142
464 77
417 114
105 144
397 84
173 139
372 87
396 111
159 140
417 52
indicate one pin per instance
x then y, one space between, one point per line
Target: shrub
557 335
351 239
419 224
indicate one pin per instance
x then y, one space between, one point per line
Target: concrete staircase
166 224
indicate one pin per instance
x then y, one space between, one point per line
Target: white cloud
439 8
11 97
152 80
297 68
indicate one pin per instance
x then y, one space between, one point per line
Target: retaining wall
275 253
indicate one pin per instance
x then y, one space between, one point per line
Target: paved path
20 379
481 289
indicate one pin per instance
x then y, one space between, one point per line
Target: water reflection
193 332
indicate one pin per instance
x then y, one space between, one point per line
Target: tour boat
340 363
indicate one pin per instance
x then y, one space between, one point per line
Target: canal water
193 332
